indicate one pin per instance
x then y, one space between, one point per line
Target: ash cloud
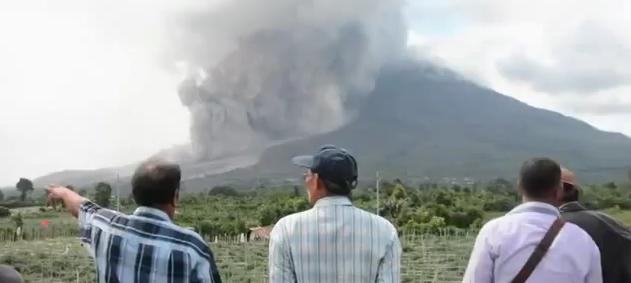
266 71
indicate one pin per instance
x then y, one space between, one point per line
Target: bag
539 252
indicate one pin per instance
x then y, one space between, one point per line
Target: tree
25 186
103 194
4 212
1 195
611 185
395 203
500 185
223 191
17 220
267 216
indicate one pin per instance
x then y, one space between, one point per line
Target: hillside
425 122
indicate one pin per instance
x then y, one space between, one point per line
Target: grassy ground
53 260
32 216
425 259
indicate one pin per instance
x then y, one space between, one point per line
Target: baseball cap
332 164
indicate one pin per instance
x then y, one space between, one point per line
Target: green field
426 258
437 226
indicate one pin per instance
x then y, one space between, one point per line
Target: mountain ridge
425 122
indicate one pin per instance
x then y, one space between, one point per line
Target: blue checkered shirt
334 242
144 247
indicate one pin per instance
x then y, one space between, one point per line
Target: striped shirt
334 242
144 247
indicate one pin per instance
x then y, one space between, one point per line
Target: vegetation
103 194
437 225
4 212
25 186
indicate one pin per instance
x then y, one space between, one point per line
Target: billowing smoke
265 71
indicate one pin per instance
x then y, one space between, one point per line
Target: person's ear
176 198
317 181
520 190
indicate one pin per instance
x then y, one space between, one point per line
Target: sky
86 83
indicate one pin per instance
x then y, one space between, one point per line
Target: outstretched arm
71 200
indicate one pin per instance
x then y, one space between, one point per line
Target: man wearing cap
333 241
612 237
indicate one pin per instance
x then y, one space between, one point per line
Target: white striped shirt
144 247
334 242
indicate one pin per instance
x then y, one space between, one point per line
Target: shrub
223 191
4 212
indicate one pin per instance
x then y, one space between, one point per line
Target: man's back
334 242
505 244
144 247
611 237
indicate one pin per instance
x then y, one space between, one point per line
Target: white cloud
568 56
82 86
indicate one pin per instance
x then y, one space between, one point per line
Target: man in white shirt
505 244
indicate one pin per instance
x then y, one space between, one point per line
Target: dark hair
155 182
570 193
337 189
540 177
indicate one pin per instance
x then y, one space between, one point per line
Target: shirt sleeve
595 269
87 210
206 272
481 264
390 267
281 267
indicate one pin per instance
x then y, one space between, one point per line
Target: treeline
423 208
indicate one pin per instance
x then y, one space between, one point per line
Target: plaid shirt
144 247
334 242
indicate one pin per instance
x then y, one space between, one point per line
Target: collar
153 213
333 201
536 207
571 207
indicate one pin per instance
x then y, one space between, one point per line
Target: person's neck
166 208
315 200
550 201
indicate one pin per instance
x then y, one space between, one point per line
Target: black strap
539 252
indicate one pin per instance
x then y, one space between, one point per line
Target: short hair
337 189
155 182
540 177
570 193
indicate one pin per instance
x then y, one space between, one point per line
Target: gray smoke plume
265 71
